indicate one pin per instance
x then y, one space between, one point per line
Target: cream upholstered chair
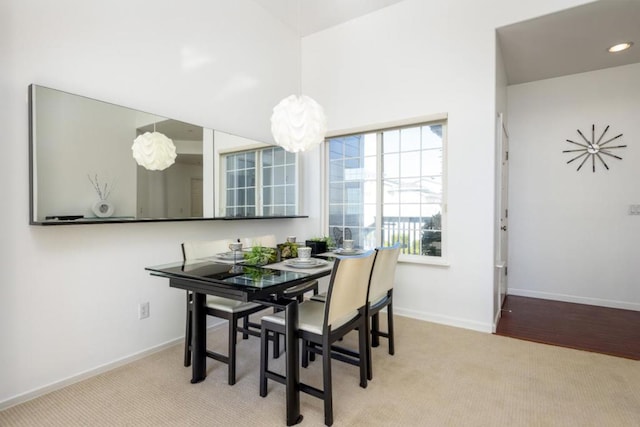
220 307
268 241
380 296
322 324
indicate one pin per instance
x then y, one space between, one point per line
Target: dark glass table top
239 275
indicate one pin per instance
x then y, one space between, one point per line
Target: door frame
501 229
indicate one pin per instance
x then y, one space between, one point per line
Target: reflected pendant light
154 151
298 123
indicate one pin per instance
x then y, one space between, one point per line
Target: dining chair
220 307
270 241
322 324
380 296
298 291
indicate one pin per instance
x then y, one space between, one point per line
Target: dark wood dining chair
220 307
322 324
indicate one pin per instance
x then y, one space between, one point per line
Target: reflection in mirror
254 179
176 192
83 170
81 155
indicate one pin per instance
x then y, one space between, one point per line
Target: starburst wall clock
592 149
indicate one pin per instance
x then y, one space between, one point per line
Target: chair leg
390 328
264 360
375 329
305 354
233 328
276 345
367 336
245 326
326 380
364 352
187 333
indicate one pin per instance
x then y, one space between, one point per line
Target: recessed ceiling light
620 47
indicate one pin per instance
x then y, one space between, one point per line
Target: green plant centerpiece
260 255
288 250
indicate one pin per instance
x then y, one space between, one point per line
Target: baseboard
444 320
496 319
575 299
32 394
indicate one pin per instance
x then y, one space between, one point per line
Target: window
260 182
387 186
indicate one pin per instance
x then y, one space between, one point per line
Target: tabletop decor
260 255
288 250
103 208
319 245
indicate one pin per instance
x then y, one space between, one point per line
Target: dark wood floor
584 327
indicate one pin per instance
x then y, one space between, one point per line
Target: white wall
69 294
571 237
418 58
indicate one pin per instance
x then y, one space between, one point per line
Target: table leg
292 367
198 338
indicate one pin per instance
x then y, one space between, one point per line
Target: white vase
102 208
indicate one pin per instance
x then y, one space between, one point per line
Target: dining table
236 280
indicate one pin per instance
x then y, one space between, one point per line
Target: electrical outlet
143 310
634 209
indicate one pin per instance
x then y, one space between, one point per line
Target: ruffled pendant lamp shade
298 123
154 151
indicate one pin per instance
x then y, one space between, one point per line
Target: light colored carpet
440 376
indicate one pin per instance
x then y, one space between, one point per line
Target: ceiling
310 16
571 41
568 42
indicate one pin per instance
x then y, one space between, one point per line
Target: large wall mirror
80 154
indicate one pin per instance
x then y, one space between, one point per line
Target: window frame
259 187
441 118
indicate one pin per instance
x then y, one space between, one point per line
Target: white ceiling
568 42
571 41
310 16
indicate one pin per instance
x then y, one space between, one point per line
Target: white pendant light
298 123
154 151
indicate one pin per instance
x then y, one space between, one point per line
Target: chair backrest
204 248
384 271
268 241
348 286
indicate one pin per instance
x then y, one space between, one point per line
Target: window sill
424 260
